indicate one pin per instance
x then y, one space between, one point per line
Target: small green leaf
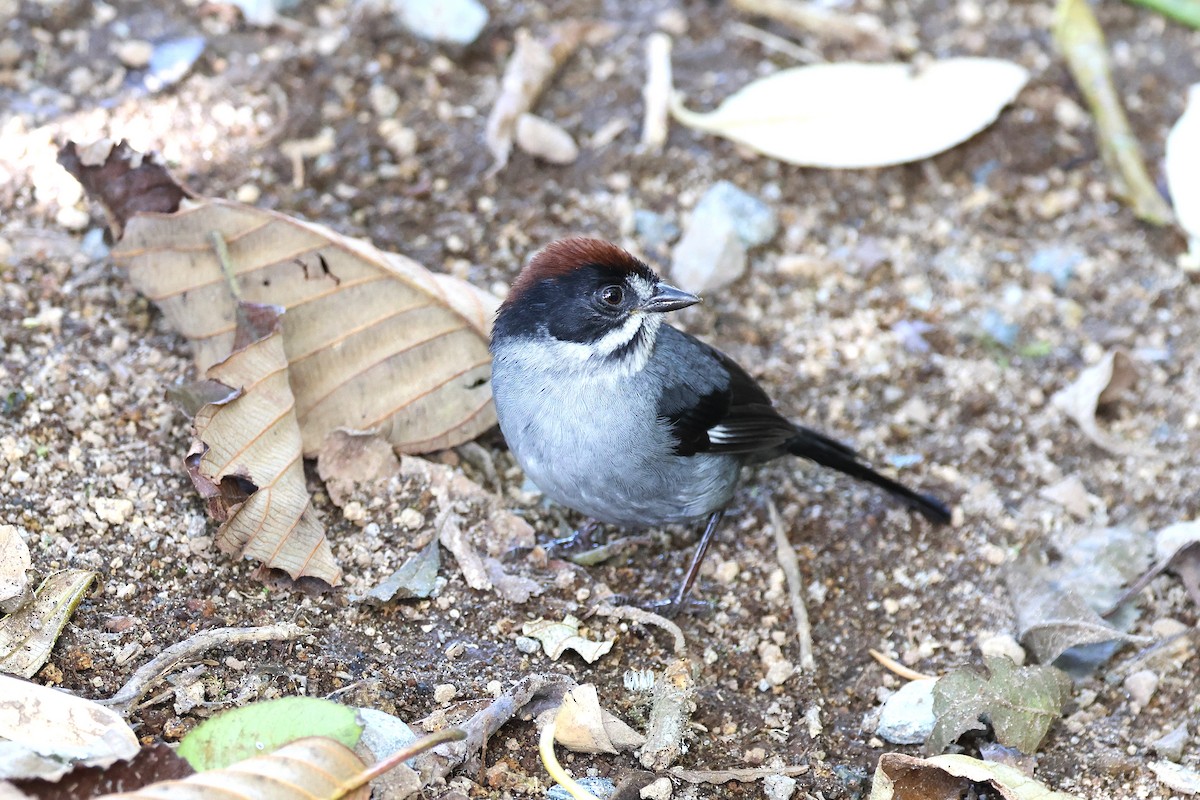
261 728
1019 702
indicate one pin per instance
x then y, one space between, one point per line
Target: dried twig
895 666
776 43
657 92
153 670
741 775
643 617
810 18
791 570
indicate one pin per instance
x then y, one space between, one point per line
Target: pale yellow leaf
583 726
28 635
314 768
374 341
854 115
558 637
64 730
246 460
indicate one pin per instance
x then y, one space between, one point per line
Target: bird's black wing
712 404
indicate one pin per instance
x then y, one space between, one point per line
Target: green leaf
264 727
1019 702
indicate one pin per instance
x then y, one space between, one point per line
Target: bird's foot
578 540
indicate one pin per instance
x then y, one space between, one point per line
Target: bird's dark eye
612 295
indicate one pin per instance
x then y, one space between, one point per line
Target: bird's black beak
668 298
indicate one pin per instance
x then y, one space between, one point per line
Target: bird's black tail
827 452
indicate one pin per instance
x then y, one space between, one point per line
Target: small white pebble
545 140
248 193
1141 686
443 693
1003 645
72 218
410 519
890 606
135 53
661 789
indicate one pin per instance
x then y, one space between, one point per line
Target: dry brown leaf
28 636
246 460
1102 383
60 729
949 777
312 768
529 70
583 726
351 458
374 340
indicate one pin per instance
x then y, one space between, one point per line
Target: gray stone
779 787
654 230
755 222
1141 686
1170 745
907 716
449 21
710 254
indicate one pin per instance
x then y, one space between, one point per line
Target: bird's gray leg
694 568
579 539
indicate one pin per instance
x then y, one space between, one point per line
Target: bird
613 412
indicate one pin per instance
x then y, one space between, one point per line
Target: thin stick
717 776
153 670
895 666
643 617
657 92
773 42
399 757
791 570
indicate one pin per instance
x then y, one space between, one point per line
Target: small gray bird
618 415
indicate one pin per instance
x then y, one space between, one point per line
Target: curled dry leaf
156 762
14 564
61 730
1181 165
530 67
559 637
583 726
949 777
1082 44
246 459
417 577
831 115
28 636
313 768
374 341
1052 620
1102 383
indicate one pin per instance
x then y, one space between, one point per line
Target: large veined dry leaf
949 777
313 768
1019 702
1081 41
59 730
246 460
374 341
855 115
28 635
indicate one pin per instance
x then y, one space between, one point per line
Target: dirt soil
91 450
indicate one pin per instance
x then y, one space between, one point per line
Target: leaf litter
1020 703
